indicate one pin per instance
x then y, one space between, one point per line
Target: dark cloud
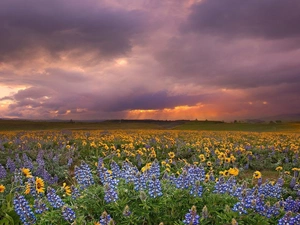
283 97
228 64
271 19
50 28
158 100
101 59
32 93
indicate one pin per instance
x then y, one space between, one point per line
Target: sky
149 59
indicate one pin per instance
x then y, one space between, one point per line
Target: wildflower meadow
151 177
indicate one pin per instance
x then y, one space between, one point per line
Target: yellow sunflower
226 173
67 189
202 157
26 172
209 163
206 177
233 171
171 155
27 190
227 160
39 185
257 175
2 188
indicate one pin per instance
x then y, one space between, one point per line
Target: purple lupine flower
192 218
68 214
183 181
126 211
223 186
18 160
297 218
154 169
106 219
10 165
54 200
75 192
18 178
297 188
139 182
23 209
154 187
271 211
2 172
103 173
40 158
270 190
39 172
110 193
70 161
112 182
240 208
286 159
40 206
287 219
55 158
83 175
259 205
48 178
239 190
116 171
259 181
27 162
196 189
31 183
291 205
138 159
196 173
128 172
280 181
293 182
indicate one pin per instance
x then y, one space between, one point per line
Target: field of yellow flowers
149 177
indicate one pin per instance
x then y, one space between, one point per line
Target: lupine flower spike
192 218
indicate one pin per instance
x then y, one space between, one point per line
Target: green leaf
7 220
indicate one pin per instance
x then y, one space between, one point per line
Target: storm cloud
59 28
111 59
269 19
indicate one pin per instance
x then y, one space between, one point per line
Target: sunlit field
180 175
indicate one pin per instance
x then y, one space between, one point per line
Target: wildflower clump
191 218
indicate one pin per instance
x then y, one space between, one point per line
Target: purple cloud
270 19
59 27
104 59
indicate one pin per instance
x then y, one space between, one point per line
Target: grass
266 174
262 127
27 125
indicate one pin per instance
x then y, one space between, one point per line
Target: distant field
14 125
264 127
